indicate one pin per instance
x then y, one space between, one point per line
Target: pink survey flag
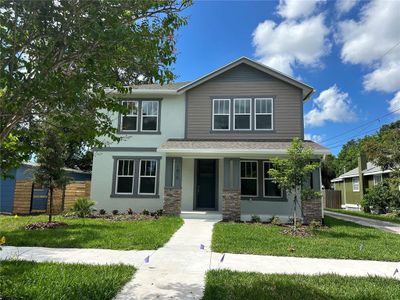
202 247
147 260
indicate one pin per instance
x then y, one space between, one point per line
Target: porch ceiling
234 147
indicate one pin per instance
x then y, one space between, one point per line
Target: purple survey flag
395 272
147 260
222 258
202 247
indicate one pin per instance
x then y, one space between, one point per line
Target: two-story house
205 145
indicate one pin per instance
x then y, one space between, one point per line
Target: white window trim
355 184
155 177
256 114
129 115
256 178
241 114
270 179
228 114
152 116
117 176
375 176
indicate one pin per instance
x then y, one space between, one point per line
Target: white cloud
331 105
292 9
313 137
344 6
367 41
394 104
283 46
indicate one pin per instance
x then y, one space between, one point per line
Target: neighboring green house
353 184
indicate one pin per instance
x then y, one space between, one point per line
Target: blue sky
347 50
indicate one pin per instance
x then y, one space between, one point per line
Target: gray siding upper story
245 81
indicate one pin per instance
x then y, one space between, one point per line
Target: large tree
348 157
60 58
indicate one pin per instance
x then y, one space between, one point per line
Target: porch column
173 186
231 192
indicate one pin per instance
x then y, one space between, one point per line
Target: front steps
208 215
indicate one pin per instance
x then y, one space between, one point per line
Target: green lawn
91 233
30 280
366 215
222 284
341 240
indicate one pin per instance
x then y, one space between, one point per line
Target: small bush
146 212
102 212
255 219
160 212
115 212
130 211
381 199
315 226
83 207
275 220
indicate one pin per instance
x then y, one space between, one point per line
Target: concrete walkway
387 226
177 270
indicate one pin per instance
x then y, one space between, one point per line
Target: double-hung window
147 177
248 178
150 116
263 117
129 122
356 184
221 114
124 178
377 179
271 189
242 114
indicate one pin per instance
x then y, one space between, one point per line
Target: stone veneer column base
312 210
172 201
231 205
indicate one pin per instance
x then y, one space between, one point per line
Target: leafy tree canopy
60 58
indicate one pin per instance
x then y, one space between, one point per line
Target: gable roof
306 89
371 169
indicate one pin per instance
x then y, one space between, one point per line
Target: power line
339 144
361 126
384 54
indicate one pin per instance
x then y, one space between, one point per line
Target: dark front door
206 179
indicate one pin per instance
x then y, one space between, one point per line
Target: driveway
387 226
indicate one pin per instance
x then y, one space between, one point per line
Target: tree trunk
63 198
51 205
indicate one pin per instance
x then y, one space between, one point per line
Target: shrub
115 212
146 212
275 220
83 207
255 219
102 212
160 212
309 194
381 199
130 211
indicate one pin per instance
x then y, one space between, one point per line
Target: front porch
210 176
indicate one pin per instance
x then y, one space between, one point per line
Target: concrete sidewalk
383 225
72 255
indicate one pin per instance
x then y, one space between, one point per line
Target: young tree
51 160
292 173
60 58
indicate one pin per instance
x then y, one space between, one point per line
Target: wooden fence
332 199
62 200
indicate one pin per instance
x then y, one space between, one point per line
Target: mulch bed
126 217
45 225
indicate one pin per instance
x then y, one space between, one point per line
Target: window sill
135 196
138 132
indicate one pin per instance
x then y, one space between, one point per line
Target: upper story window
149 115
129 122
242 114
271 189
263 114
356 184
142 116
221 114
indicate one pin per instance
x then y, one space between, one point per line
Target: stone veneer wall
231 205
172 201
312 210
